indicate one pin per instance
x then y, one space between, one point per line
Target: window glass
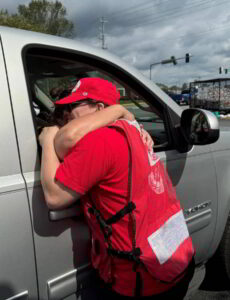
51 78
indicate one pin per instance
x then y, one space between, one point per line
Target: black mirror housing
199 126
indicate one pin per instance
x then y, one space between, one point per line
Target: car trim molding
197 208
21 296
69 283
11 183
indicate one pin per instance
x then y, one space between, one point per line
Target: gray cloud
146 31
11 5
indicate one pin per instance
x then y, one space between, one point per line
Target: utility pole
102 32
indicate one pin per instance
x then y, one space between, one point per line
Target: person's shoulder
98 137
105 137
103 133
107 142
102 138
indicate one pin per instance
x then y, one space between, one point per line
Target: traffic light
226 71
173 60
187 57
221 69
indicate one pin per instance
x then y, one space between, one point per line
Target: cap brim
71 99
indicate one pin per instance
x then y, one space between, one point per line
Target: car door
17 258
61 247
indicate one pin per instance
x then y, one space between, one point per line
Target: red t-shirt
99 163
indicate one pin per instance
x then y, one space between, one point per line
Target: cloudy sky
143 32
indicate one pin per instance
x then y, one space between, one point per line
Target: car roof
18 39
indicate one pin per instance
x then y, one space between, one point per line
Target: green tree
184 86
164 87
41 16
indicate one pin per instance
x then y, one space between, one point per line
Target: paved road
213 286
224 124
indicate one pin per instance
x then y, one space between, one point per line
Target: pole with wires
102 32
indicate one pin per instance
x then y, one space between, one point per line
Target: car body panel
220 153
61 247
55 253
181 167
17 260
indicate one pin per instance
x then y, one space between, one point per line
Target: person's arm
147 139
72 132
57 196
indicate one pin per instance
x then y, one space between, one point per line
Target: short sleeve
86 165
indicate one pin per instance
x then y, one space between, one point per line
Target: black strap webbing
106 229
133 255
139 285
121 213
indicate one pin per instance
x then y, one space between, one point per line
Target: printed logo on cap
76 86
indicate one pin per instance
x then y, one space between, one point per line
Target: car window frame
108 67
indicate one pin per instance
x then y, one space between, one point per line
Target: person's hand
47 135
146 138
127 114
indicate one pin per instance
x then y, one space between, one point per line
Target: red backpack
160 241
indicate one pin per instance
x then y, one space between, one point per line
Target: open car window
52 77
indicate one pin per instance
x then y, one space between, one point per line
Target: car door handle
21 296
70 212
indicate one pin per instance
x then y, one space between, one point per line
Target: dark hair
55 92
58 93
60 109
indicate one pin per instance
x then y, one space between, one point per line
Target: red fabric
99 162
162 234
93 88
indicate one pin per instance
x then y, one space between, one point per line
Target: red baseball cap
92 88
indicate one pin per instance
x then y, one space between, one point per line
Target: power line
142 9
160 17
171 13
130 8
149 8
123 11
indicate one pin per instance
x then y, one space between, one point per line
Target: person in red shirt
89 160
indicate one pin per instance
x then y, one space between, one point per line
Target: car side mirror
199 126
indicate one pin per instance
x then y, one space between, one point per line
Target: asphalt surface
224 124
214 285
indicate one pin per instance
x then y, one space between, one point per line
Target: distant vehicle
212 94
186 97
180 99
